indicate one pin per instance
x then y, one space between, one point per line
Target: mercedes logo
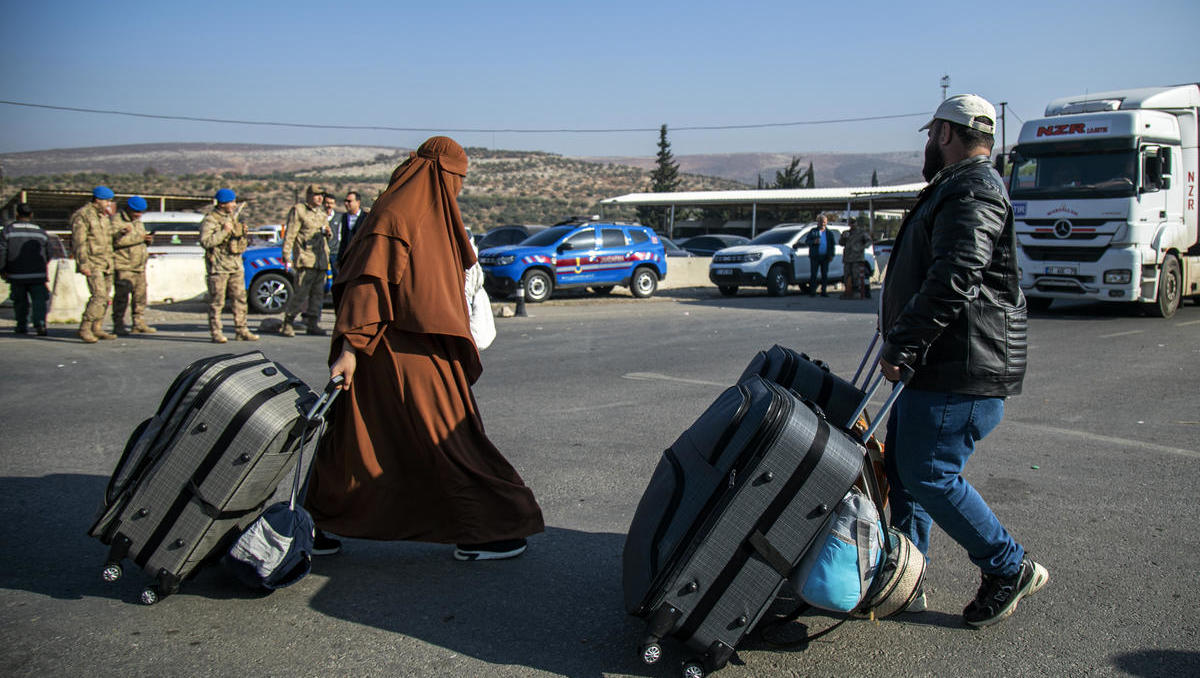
1062 228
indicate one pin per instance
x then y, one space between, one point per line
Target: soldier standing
856 281
223 238
130 252
91 240
305 247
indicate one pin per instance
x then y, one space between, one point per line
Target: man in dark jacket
821 245
24 254
953 313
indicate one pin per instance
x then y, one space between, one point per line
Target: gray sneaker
998 596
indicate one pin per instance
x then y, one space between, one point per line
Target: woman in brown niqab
406 456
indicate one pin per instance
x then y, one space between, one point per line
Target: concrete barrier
169 278
686 272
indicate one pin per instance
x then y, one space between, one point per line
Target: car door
612 264
572 266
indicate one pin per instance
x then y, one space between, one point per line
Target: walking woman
406 457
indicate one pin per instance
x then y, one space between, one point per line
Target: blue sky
526 65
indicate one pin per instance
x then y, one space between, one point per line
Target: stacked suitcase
737 501
194 475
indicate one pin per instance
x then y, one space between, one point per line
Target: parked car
707 245
672 248
599 255
883 251
775 259
173 228
512 234
268 283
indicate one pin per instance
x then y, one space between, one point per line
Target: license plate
1060 270
722 271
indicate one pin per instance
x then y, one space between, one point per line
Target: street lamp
945 85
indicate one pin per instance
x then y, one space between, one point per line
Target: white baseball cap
966 109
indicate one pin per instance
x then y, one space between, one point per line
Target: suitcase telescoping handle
906 373
315 417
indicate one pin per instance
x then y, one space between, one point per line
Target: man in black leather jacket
952 312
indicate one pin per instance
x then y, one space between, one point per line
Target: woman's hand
345 365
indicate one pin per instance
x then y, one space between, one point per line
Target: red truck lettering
1055 130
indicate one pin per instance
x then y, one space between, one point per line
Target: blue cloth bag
837 572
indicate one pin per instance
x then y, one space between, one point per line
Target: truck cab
1104 199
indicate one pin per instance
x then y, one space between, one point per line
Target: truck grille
1087 254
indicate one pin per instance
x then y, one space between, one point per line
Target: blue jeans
930 436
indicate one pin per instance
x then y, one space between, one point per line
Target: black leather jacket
952 306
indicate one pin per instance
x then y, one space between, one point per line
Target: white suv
775 259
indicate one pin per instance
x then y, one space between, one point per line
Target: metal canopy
52 209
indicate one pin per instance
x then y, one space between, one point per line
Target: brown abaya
406 456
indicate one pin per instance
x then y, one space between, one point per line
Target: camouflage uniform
226 276
91 241
305 245
130 253
854 264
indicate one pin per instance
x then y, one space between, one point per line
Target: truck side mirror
1152 174
1000 164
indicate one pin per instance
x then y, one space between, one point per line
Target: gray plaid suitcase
732 507
194 475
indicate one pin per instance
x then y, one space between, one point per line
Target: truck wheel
777 281
644 283
1170 288
269 293
728 290
538 286
1038 303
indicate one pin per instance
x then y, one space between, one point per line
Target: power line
386 128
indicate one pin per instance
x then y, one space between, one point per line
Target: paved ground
1093 469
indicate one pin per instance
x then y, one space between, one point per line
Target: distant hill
501 186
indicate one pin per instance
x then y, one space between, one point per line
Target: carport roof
901 196
53 208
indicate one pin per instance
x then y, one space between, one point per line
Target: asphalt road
1093 470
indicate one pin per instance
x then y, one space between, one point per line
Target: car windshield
1063 175
774 237
547 237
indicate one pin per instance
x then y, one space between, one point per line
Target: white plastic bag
483 324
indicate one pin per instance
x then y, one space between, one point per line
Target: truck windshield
1106 174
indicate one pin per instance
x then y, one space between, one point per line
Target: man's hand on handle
890 371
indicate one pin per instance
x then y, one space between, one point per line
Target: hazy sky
563 64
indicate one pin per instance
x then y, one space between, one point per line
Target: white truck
1104 199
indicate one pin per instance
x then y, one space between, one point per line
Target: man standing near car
130 252
91 241
952 311
821 244
223 238
350 220
855 278
305 249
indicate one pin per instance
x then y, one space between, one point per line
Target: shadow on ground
558 608
1158 663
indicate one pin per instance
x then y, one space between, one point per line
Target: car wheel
777 281
644 283
728 290
269 293
538 286
1170 288
601 290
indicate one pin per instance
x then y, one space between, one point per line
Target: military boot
311 327
286 328
120 329
140 326
98 331
218 338
85 332
244 334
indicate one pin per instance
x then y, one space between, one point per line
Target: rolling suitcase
198 472
731 509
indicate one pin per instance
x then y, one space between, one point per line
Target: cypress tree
874 177
664 179
812 180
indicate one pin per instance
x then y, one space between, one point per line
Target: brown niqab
406 456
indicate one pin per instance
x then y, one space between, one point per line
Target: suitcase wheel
111 572
693 669
149 596
651 652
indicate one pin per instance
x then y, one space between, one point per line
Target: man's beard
934 161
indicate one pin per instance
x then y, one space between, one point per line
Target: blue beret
226 195
136 203
102 193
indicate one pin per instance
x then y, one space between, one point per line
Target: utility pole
945 85
1003 127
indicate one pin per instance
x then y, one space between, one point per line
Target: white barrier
169 277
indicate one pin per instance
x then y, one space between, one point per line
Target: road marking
1125 442
655 376
1119 334
590 408
1190 322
